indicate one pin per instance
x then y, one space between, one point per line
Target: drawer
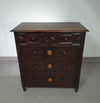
69 38
48 38
45 80
50 66
29 38
49 52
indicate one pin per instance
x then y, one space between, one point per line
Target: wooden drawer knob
65 38
50 80
49 52
64 66
35 66
64 52
63 80
36 80
49 66
34 52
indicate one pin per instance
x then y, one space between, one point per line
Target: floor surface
89 90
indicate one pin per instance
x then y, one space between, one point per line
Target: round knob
49 52
49 66
35 66
63 80
64 66
36 80
64 52
65 38
50 80
34 52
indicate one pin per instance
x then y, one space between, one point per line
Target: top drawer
49 38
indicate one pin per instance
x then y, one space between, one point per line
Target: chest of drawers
50 54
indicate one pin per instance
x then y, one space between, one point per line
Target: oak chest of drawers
50 54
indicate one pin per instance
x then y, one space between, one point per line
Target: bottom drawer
49 80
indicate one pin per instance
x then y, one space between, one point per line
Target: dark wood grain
50 27
50 54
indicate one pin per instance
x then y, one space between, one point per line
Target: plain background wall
12 12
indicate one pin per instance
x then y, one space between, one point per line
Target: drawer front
49 52
29 38
46 80
49 38
50 66
68 38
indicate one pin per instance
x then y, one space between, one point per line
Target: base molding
15 59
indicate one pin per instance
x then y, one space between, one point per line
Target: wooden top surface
50 27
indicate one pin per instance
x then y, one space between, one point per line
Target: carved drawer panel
68 38
28 38
47 79
50 66
49 38
50 52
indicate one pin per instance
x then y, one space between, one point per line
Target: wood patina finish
50 54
